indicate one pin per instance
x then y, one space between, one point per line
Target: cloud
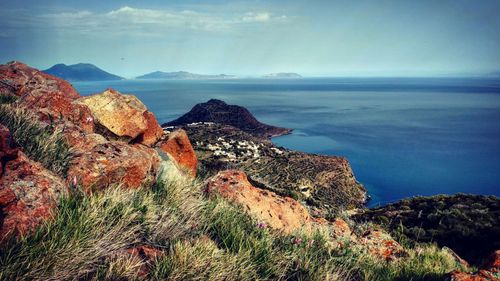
261 17
150 22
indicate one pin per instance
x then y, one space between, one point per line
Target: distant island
282 75
182 75
81 72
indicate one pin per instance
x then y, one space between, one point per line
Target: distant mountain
81 72
282 75
181 75
217 111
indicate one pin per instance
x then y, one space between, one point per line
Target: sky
313 38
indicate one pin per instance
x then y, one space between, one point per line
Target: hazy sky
318 38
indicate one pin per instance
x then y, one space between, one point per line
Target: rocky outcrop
18 79
220 112
289 216
326 183
49 97
282 213
111 163
28 192
178 146
123 116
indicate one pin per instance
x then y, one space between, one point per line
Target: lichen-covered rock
28 192
123 115
381 245
482 275
493 262
8 151
51 98
112 163
18 79
178 146
281 213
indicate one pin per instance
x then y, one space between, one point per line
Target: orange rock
19 79
122 115
48 96
382 245
112 163
281 213
179 147
153 131
28 193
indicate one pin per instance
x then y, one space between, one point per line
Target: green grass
202 239
40 142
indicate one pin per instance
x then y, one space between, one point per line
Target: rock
18 79
48 96
178 146
146 255
381 245
153 130
122 115
29 193
218 111
114 162
281 213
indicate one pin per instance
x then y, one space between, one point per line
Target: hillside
218 111
92 188
181 75
81 72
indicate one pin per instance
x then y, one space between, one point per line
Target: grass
7 98
41 142
201 238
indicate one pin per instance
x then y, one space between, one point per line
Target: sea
403 137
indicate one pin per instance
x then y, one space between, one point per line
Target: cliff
220 112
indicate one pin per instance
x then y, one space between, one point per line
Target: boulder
48 96
29 193
482 275
281 213
493 262
123 116
178 146
112 162
18 79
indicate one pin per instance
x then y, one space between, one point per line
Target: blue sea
403 136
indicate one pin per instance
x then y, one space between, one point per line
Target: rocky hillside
92 188
217 111
469 224
325 183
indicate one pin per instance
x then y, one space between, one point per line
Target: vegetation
7 98
202 238
469 224
41 142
